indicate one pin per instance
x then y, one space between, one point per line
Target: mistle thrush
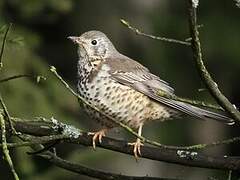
124 89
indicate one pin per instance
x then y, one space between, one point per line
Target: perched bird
124 89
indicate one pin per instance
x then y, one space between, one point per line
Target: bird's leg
97 135
137 145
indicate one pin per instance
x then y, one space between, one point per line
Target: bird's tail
190 109
206 114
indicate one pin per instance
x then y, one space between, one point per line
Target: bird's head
94 44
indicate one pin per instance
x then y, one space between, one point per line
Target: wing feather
130 73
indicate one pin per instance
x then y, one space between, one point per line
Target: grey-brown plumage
124 89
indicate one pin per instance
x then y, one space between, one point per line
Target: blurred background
38 39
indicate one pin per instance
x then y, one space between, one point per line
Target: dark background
38 39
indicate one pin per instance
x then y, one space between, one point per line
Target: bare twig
213 144
5 147
206 77
37 140
38 77
3 45
138 32
77 168
7 116
230 175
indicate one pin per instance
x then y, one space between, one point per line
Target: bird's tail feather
189 109
206 114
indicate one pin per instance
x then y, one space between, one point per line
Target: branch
73 167
38 77
204 74
3 44
138 32
183 157
52 158
7 116
5 147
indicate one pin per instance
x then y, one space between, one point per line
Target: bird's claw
136 148
97 135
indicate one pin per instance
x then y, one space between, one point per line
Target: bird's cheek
82 51
100 52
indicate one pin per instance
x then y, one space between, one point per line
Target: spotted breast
119 101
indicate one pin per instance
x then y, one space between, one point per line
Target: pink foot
136 148
97 135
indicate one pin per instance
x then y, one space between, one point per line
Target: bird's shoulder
122 63
130 72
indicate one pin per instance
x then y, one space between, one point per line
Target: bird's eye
94 42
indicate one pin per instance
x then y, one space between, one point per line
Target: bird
124 90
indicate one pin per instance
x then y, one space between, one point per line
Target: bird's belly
120 102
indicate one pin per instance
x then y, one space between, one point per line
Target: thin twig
3 45
37 140
5 147
7 116
77 168
138 32
38 77
204 74
213 144
229 175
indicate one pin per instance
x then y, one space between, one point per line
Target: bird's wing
131 73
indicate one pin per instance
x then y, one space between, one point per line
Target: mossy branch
5 150
42 131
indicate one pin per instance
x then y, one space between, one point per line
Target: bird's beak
74 39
